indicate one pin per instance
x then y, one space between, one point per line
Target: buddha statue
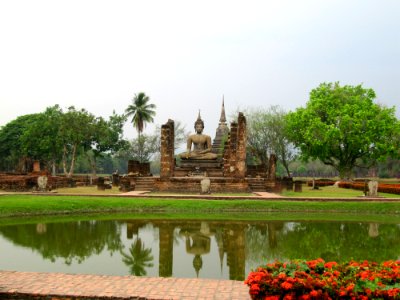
201 144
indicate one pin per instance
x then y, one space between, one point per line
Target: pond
188 248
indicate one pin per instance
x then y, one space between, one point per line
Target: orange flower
254 289
286 285
282 276
330 264
364 275
350 287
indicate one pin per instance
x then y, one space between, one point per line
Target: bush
317 279
382 187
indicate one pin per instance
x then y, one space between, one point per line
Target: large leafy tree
77 130
41 140
11 145
106 139
344 128
267 135
141 111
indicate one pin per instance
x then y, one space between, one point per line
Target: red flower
393 292
364 274
350 287
289 297
282 276
331 264
286 285
254 289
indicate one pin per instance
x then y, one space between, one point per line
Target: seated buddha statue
201 144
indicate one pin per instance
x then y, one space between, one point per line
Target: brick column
167 150
241 147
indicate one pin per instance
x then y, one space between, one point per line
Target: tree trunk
286 166
140 147
64 160
92 163
345 172
72 166
53 168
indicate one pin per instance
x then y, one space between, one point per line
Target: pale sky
186 54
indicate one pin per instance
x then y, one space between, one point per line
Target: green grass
331 192
17 205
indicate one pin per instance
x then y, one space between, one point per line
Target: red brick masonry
30 285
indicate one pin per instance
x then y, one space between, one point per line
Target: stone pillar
227 155
241 147
167 150
231 159
373 188
36 166
100 184
298 186
272 167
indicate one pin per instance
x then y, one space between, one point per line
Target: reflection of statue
197 243
201 144
200 244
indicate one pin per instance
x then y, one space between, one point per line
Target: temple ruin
226 168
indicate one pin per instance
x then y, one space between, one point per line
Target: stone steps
256 184
145 183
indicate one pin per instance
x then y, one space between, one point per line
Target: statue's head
199 124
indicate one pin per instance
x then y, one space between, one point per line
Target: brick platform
29 285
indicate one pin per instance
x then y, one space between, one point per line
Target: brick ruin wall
167 160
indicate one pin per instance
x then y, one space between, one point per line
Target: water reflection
138 258
208 249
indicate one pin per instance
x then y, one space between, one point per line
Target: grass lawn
17 205
331 192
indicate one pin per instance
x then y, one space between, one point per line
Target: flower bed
318 279
382 187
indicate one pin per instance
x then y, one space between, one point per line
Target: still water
188 248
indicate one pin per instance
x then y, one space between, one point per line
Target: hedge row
382 187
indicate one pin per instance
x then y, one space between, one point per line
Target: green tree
106 139
141 111
76 132
41 140
344 128
267 135
11 147
142 148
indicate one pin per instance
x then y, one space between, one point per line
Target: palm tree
142 112
138 258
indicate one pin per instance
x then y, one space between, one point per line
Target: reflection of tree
337 241
138 258
265 237
69 240
341 241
